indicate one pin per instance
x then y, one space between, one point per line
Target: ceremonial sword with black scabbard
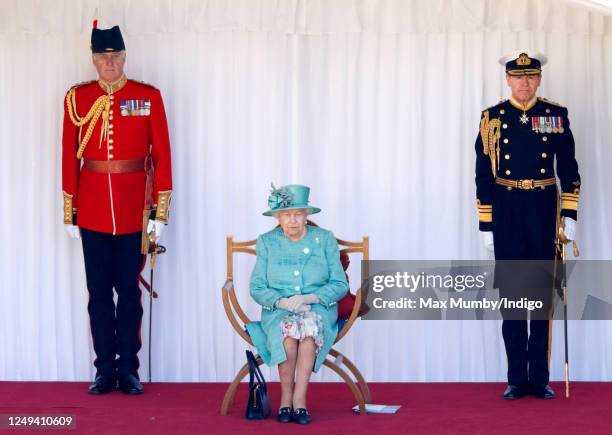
560 243
150 247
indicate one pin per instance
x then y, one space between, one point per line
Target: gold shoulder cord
490 134
100 107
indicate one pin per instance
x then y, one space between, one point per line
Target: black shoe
542 391
514 392
129 384
284 414
301 416
102 385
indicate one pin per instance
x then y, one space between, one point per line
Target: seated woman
298 279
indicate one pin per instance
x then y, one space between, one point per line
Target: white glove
569 228
487 240
157 226
285 305
297 300
73 231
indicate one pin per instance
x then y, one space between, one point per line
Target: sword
561 241
154 250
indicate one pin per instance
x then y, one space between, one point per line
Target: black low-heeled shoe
542 391
301 416
515 392
102 385
284 414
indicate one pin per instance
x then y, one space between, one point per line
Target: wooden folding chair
335 360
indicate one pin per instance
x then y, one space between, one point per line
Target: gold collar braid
114 87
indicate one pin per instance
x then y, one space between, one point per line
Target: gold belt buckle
526 184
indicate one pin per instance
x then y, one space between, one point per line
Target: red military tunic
129 123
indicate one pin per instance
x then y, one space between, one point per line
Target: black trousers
524 225
114 262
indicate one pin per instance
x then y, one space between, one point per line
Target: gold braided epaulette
553 103
144 83
78 85
502 101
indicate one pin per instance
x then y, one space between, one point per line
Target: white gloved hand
73 231
487 240
284 304
297 300
157 226
569 228
304 308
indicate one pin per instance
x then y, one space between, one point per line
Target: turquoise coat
285 268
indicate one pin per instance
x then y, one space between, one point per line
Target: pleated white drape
374 104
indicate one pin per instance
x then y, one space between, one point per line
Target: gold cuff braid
485 212
163 204
569 201
68 210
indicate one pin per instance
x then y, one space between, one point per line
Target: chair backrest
230 302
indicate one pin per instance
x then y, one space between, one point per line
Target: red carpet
470 408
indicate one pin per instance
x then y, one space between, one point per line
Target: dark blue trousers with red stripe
114 262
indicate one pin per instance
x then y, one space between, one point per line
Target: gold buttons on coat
504 125
542 171
506 140
508 172
502 111
507 157
544 155
544 138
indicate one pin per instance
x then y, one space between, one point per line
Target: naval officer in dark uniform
521 141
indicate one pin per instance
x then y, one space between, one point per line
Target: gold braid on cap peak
100 107
490 134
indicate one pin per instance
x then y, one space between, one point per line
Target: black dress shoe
542 391
301 416
130 384
284 414
514 392
102 385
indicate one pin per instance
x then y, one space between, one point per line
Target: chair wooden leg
350 383
228 399
363 386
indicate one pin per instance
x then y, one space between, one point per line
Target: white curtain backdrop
373 103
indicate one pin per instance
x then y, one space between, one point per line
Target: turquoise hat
289 197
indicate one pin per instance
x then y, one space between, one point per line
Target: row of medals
544 124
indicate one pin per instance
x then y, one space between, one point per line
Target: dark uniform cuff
569 204
485 226
485 216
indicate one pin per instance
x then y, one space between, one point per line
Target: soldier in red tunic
117 182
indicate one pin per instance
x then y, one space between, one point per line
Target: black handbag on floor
258 406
